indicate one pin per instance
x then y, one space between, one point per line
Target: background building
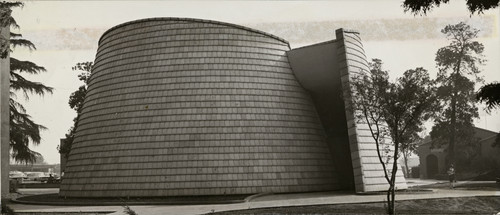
484 157
196 107
46 168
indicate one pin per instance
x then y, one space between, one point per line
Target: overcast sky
67 32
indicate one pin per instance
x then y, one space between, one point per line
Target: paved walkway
275 200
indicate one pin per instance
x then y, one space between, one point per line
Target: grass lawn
465 205
466 185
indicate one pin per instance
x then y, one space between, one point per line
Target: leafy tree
23 130
456 63
76 103
390 109
423 6
490 94
408 145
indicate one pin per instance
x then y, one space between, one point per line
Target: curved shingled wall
194 107
368 172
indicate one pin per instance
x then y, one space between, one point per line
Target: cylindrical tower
195 107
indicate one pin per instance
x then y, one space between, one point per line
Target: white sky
67 32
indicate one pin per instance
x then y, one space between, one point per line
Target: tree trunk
391 193
405 158
394 170
392 184
4 117
453 121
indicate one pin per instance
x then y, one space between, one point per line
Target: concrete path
302 199
38 191
275 200
412 182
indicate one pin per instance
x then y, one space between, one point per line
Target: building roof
482 133
193 20
426 140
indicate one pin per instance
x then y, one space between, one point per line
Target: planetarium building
180 106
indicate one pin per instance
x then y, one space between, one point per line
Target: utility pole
4 111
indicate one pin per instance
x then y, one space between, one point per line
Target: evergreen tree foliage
424 6
490 94
458 63
23 130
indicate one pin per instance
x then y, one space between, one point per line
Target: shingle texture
193 107
368 172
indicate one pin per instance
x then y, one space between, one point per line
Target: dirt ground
466 205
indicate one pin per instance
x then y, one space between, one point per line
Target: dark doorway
331 111
432 166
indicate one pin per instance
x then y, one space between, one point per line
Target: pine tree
490 94
423 6
23 130
457 63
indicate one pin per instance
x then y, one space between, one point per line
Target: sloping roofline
427 139
330 41
193 20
